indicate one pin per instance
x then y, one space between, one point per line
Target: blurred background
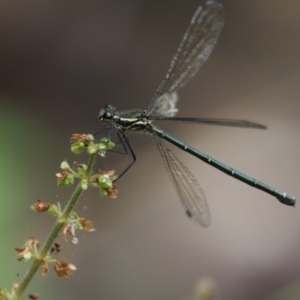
61 61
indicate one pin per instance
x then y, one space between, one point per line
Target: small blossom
84 184
45 268
106 178
111 174
24 252
109 191
62 176
87 225
112 192
92 148
77 149
105 144
65 166
104 181
40 206
33 242
63 269
65 178
80 168
81 138
68 229
30 247
80 141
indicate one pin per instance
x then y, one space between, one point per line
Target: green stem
52 236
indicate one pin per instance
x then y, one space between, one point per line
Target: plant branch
52 236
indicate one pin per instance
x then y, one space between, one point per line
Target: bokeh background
61 61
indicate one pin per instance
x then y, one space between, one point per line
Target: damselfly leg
124 142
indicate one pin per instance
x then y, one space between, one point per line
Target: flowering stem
52 236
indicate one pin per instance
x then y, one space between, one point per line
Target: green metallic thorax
132 121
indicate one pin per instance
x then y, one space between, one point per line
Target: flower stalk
67 220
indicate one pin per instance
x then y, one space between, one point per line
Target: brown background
61 61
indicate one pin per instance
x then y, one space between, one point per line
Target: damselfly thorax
134 121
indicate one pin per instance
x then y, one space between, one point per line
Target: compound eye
107 115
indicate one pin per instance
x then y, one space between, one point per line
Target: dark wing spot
189 214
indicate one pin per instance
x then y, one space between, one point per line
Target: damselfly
195 47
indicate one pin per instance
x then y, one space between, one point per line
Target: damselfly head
107 114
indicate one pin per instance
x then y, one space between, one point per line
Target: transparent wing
195 47
209 121
187 187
